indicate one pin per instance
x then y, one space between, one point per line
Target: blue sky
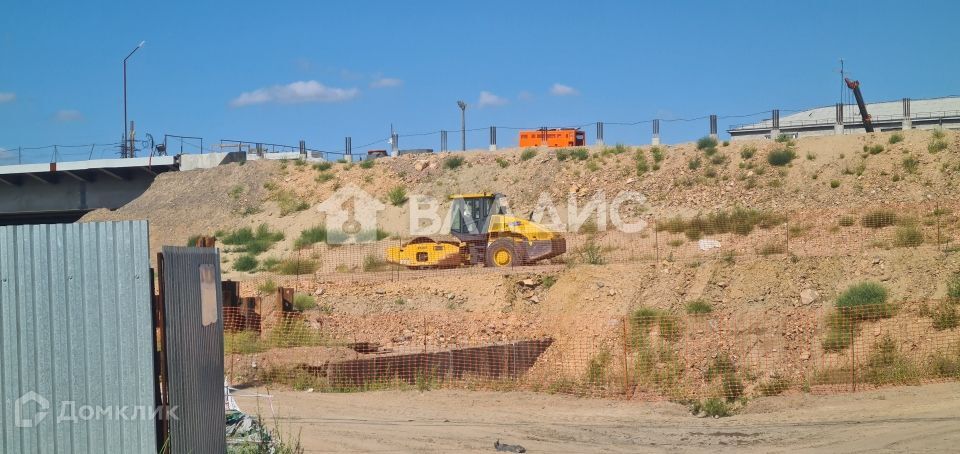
319 71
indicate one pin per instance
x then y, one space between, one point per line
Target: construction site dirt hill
569 299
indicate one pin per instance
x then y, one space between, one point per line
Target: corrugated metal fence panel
75 325
194 352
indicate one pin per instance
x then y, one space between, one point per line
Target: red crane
855 86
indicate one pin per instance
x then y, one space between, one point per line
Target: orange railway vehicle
553 137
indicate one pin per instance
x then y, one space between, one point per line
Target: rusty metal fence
647 354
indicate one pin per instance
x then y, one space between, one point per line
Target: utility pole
463 125
124 153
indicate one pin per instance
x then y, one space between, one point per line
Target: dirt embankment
833 171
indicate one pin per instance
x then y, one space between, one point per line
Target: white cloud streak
68 115
562 90
296 92
386 82
488 99
7 97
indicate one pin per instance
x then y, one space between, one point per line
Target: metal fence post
626 373
786 224
937 215
656 242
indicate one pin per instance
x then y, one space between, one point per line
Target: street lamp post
124 153
463 125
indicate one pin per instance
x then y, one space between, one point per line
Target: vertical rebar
656 242
626 373
853 358
786 228
937 215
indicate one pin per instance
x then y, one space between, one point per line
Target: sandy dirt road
906 419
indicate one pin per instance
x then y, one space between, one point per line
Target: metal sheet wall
194 352
75 326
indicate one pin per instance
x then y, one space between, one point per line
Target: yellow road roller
485 233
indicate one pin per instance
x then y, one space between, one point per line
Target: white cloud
488 99
5 154
562 90
296 92
7 97
386 82
68 115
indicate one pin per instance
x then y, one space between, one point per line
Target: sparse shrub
597 368
593 166
250 241
834 184
528 154
453 162
312 235
397 196
372 263
693 164
322 166
938 133
953 288
367 163
781 157
886 364
878 219
774 247
846 221
592 253
776 385
241 343
710 172
741 221
910 164
864 301
295 266
748 151
503 163
548 281
895 138
670 328
562 154
726 143
699 307
642 319
945 316
716 408
303 302
581 154
246 262
288 202
657 153
811 156
732 386
908 236
718 159
936 146
267 287
324 177
783 138
873 149
706 142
